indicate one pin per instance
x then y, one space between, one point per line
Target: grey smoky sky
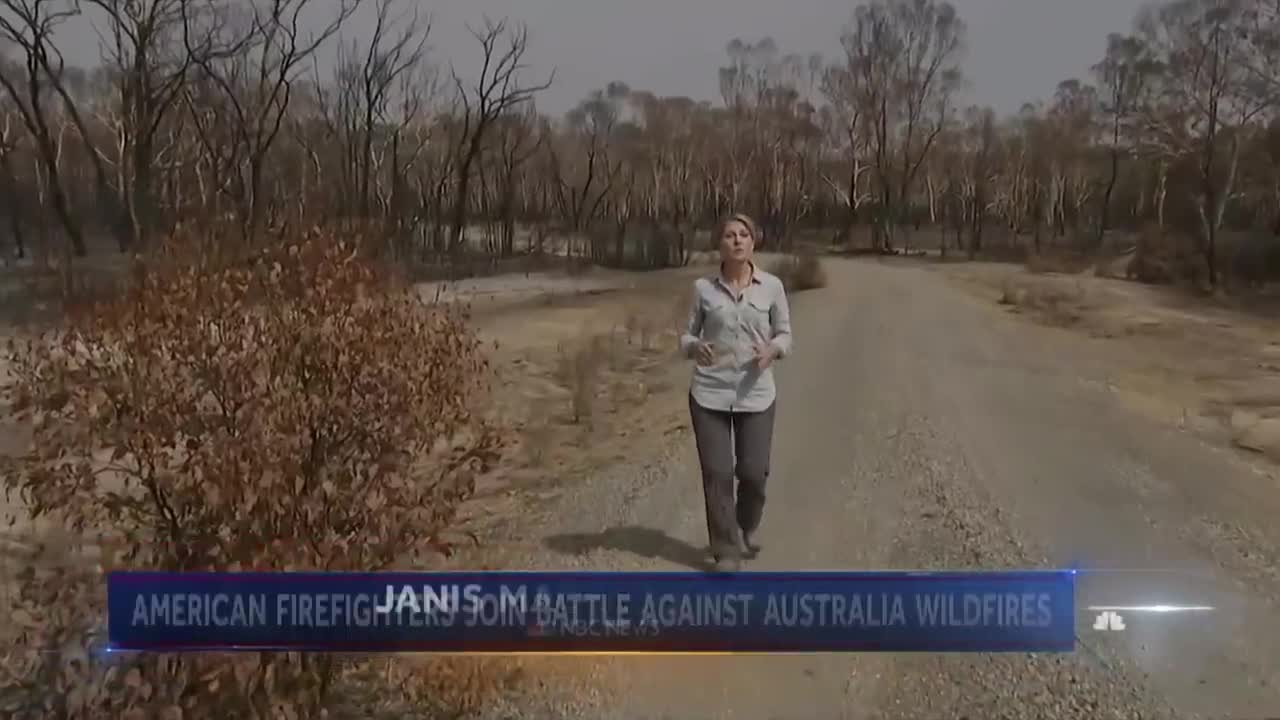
1018 50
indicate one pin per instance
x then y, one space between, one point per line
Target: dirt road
921 428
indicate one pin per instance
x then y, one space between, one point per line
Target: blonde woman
739 325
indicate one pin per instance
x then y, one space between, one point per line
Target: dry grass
539 440
1058 263
453 685
642 328
576 375
579 368
1203 368
1052 304
600 368
408 687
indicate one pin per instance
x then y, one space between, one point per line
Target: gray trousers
732 444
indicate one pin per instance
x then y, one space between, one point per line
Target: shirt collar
755 277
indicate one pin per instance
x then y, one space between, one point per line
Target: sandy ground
1202 365
923 425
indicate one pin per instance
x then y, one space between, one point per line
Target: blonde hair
743 218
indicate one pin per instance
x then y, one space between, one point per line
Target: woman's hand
766 353
704 354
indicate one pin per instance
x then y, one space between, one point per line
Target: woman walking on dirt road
739 324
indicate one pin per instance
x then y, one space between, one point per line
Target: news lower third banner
510 612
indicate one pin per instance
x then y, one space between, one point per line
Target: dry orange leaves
295 412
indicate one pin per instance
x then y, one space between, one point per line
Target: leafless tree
28 26
497 90
906 55
9 147
246 73
848 131
199 113
1123 74
1205 73
585 175
387 58
519 142
149 66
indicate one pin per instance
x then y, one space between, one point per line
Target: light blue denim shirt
734 325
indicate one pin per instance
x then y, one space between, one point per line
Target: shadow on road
642 541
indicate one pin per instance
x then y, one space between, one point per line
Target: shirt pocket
757 315
721 312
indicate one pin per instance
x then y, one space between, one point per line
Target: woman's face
736 242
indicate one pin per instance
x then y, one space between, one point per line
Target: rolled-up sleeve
693 326
780 317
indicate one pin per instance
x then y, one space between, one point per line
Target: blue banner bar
594 612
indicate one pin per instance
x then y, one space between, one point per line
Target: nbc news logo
1108 620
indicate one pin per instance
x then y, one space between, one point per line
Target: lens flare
1152 608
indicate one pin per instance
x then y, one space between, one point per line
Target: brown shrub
289 413
801 271
1011 293
1166 256
1057 306
1251 260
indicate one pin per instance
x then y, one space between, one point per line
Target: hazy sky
1018 50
